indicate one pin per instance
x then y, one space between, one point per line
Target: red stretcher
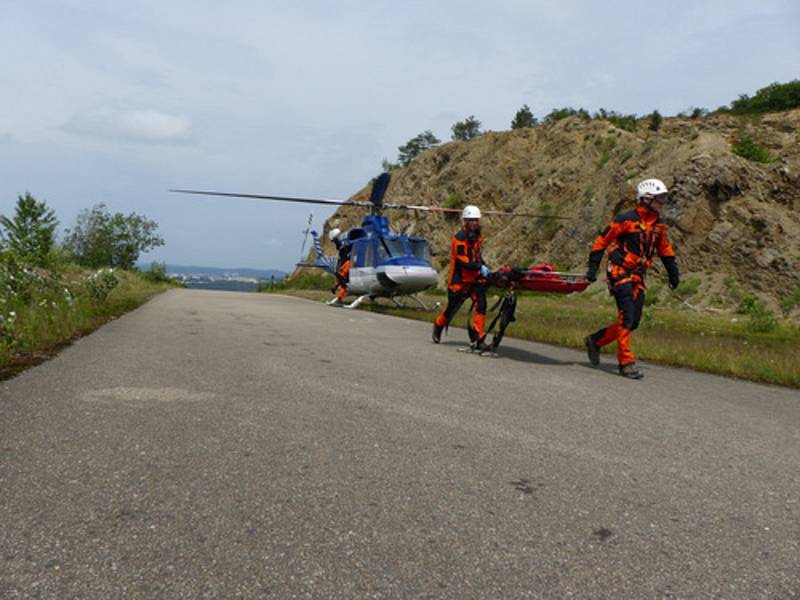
538 278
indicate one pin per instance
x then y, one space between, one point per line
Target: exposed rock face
728 215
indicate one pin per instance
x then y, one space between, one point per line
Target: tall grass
61 310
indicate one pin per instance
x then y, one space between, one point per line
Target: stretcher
538 278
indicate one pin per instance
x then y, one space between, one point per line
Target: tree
31 234
416 146
562 113
655 120
102 239
466 130
523 118
774 97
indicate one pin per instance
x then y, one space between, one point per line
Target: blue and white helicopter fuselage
383 264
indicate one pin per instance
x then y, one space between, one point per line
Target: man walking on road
632 238
467 278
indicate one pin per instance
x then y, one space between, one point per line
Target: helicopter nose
407 279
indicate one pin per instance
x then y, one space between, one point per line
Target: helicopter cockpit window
389 247
420 249
362 253
369 252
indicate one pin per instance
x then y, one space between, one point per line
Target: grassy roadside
720 343
54 313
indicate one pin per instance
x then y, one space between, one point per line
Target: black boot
437 333
630 371
592 350
479 345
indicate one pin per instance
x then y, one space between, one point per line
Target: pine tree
31 233
523 118
416 146
466 130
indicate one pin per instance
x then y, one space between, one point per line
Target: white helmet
649 188
471 212
334 233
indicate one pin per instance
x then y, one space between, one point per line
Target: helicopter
383 263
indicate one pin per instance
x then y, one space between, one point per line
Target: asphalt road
229 445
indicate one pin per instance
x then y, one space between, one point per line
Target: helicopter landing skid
424 306
357 302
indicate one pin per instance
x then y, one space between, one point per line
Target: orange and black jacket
632 238
465 259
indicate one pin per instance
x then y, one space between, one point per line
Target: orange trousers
630 302
342 277
456 297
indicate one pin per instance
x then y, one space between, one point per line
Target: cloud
149 125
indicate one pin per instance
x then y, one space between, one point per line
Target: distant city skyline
118 103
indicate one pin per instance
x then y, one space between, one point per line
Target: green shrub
605 145
562 113
620 121
100 283
689 287
698 113
307 280
454 200
760 318
789 302
747 148
655 121
157 273
732 287
774 97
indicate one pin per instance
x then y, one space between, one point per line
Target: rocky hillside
731 218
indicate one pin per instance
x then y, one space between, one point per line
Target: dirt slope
730 216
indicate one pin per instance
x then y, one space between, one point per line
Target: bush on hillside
562 113
747 148
772 98
655 120
760 318
620 121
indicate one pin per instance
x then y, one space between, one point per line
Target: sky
117 102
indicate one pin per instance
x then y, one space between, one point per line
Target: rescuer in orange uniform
467 278
342 267
632 238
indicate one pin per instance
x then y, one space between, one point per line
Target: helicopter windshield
388 247
420 249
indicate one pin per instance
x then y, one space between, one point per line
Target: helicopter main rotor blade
441 209
279 198
435 209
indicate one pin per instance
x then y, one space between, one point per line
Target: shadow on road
517 354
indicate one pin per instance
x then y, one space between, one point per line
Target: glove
485 271
674 282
